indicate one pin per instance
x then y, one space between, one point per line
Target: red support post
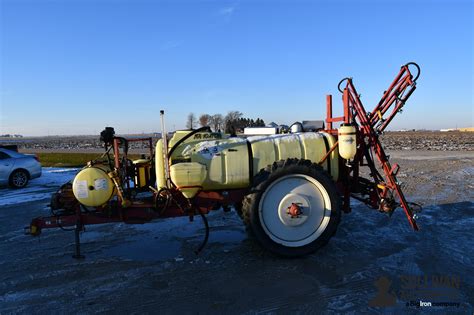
345 101
329 112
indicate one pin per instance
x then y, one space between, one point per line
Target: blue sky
74 67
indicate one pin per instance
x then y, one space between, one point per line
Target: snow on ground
150 267
38 189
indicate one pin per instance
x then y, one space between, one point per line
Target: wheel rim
310 196
19 179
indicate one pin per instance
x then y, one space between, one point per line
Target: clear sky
74 67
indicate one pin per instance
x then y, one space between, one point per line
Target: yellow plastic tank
230 163
178 155
92 186
311 146
188 177
347 141
142 176
226 160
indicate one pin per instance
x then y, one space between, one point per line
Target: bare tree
191 121
216 121
233 115
231 119
204 120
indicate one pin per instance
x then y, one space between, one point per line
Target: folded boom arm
371 125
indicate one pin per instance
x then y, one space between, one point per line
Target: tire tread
266 175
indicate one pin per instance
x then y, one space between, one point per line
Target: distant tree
233 115
216 121
204 120
232 121
191 121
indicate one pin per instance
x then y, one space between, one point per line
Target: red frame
354 112
139 211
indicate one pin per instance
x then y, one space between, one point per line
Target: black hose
206 238
186 137
107 153
340 82
58 220
124 143
162 193
206 128
63 228
417 68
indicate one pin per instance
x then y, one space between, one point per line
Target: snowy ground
38 188
151 268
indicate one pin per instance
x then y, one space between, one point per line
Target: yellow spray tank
213 161
347 141
142 177
189 177
92 186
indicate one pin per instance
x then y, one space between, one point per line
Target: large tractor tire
293 208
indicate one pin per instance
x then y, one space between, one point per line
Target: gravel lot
151 268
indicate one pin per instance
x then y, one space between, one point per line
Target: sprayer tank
231 162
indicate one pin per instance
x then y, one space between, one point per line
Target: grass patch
71 159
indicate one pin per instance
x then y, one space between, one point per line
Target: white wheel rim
313 200
19 179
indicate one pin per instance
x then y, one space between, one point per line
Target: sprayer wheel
306 189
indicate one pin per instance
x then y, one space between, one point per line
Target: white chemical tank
231 163
347 141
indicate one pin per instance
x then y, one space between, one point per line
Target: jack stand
77 230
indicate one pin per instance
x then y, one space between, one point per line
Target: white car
17 169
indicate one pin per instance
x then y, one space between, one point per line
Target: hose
206 238
107 153
58 220
340 82
417 68
162 193
186 137
204 219
123 142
